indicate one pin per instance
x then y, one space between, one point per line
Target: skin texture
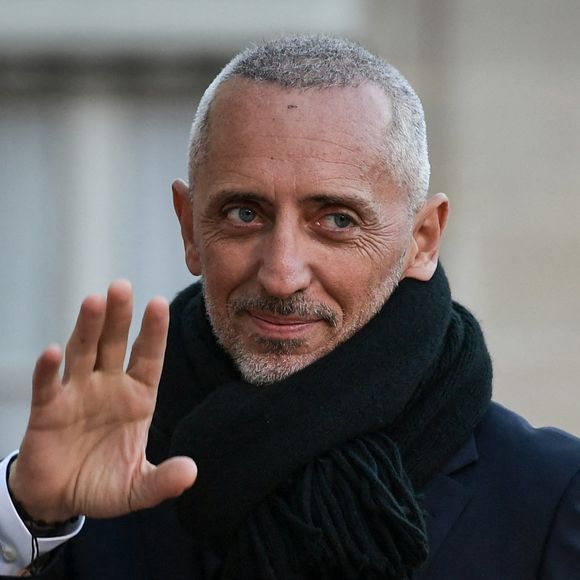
300 237
295 226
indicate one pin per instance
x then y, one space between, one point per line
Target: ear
184 212
423 250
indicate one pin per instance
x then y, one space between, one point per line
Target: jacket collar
445 497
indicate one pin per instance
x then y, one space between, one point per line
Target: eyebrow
226 196
362 204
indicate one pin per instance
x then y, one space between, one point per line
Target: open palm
84 448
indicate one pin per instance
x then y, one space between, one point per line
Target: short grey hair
319 61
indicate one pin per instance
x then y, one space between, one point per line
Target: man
335 400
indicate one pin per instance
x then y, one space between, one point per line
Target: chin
265 369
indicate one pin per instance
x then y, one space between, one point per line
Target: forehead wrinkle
269 156
358 170
289 154
314 139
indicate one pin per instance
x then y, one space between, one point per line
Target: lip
280 327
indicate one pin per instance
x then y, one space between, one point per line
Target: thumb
169 479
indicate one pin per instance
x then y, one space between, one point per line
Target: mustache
297 305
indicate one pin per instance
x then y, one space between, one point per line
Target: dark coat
505 507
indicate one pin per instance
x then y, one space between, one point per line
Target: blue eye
337 221
341 220
242 214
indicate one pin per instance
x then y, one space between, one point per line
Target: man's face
297 231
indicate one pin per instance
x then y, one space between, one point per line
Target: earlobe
423 251
184 212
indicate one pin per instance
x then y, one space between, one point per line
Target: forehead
345 121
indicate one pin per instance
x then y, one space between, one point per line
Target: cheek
225 268
355 282
343 281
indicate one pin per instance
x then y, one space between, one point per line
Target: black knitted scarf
316 476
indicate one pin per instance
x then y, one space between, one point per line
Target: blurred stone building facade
95 105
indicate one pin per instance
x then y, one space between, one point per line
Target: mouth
280 327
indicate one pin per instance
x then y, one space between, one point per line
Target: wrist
38 522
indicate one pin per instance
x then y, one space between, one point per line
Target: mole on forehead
242 113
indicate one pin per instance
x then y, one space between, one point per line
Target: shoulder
536 476
527 470
504 436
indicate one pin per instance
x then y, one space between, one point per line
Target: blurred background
96 99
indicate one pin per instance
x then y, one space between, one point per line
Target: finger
81 349
169 479
113 341
148 351
45 379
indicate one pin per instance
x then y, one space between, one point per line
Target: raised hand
84 448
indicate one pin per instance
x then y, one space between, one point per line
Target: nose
284 265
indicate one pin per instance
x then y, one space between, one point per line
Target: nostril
285 277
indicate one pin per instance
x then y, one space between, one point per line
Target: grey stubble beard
280 360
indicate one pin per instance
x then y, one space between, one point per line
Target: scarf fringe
352 513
